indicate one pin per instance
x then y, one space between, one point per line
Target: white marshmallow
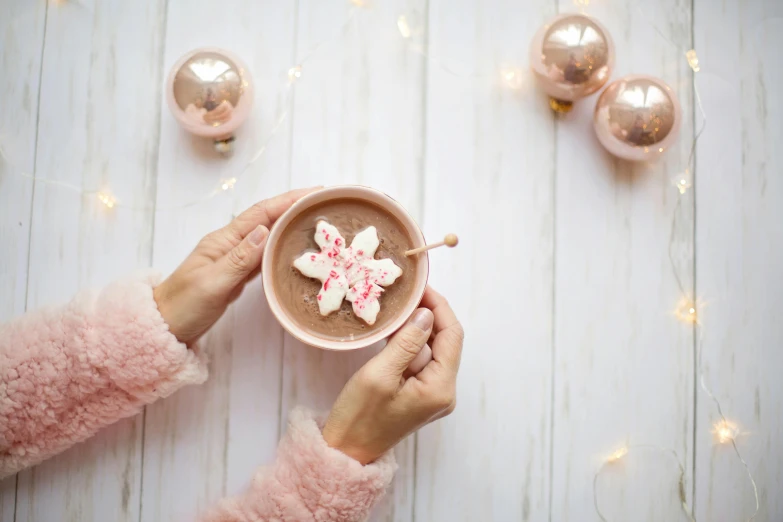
349 273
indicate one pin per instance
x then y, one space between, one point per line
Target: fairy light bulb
228 183
107 199
403 26
693 60
618 454
725 431
511 77
687 311
294 73
683 182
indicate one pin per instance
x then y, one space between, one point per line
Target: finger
405 345
419 362
447 345
233 268
444 315
264 213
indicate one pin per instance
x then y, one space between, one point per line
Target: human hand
381 405
194 297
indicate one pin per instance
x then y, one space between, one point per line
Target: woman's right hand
381 405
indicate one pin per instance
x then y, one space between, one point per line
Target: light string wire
513 78
725 430
109 200
622 452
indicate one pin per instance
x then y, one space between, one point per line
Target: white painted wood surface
739 254
579 355
21 34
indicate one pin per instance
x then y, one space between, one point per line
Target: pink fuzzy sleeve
67 372
309 482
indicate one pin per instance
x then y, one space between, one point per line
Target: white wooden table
582 355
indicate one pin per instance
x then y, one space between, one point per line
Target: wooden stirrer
450 241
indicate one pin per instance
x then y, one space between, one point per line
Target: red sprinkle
312 257
335 263
319 297
326 284
336 241
360 252
327 236
334 274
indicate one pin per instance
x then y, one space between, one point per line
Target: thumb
234 267
406 344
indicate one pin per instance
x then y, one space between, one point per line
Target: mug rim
343 191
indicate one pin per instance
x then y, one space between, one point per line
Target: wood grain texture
739 240
205 442
623 364
580 353
21 37
489 177
97 127
358 118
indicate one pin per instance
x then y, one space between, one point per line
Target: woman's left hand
194 297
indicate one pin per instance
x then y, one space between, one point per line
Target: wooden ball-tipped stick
450 241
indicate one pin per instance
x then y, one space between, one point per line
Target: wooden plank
489 177
205 442
358 119
739 251
623 364
97 128
22 34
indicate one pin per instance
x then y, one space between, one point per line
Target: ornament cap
560 106
225 146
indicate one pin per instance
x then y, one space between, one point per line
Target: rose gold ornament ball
210 94
637 118
572 56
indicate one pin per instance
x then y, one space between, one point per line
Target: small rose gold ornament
637 118
572 56
210 93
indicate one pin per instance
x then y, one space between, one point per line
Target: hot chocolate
339 319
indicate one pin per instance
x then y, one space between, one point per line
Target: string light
620 453
725 431
294 73
693 60
228 184
511 77
687 310
359 3
107 199
617 454
683 182
404 27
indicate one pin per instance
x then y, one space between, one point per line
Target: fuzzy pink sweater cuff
66 372
309 482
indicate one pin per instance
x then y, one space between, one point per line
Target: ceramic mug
369 195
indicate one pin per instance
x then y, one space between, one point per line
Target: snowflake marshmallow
348 272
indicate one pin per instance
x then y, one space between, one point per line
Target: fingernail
257 235
422 319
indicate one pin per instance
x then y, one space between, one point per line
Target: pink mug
342 192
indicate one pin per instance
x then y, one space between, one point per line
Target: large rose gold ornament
572 56
210 93
637 118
